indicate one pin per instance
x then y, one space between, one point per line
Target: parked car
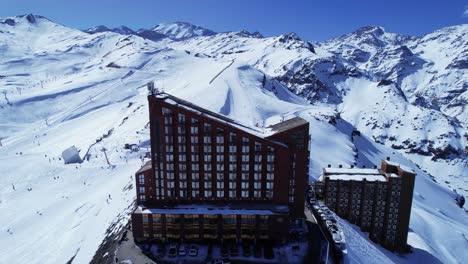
182 251
172 250
224 251
193 251
268 251
246 252
257 251
234 250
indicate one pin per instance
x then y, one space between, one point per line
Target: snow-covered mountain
62 87
174 31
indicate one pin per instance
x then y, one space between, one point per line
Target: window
207 185
195 185
232 149
182 148
245 167
207 177
181 139
220 194
220 185
271 158
196 194
257 176
183 184
169 166
168 130
270 176
232 167
245 140
257 194
207 139
169 148
257 167
182 157
232 194
220 158
167 120
245 176
182 175
195 158
142 198
270 149
269 185
142 189
181 129
195 167
169 139
207 166
166 111
232 185
207 128
257 185
220 149
141 179
182 166
194 130
207 149
232 137
258 158
207 158
232 176
232 158
181 119
207 194
245 185
194 139
258 147
195 175
270 167
219 176
245 194
245 149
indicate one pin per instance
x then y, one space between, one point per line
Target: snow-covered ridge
61 87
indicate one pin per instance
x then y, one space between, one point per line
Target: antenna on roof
150 86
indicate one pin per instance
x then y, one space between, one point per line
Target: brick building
211 177
377 200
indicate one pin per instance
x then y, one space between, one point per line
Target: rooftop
288 124
145 167
355 174
357 177
258 131
351 171
213 209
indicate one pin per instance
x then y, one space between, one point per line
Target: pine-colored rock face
367 95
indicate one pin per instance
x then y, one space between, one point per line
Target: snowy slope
62 87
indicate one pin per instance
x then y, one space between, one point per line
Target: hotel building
377 200
211 177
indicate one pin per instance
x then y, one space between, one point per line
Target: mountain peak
376 30
29 18
182 30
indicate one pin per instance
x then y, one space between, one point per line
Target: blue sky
311 19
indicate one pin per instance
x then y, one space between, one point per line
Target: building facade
211 177
377 200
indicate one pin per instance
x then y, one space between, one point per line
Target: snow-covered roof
261 132
357 177
351 171
210 209
145 167
403 167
